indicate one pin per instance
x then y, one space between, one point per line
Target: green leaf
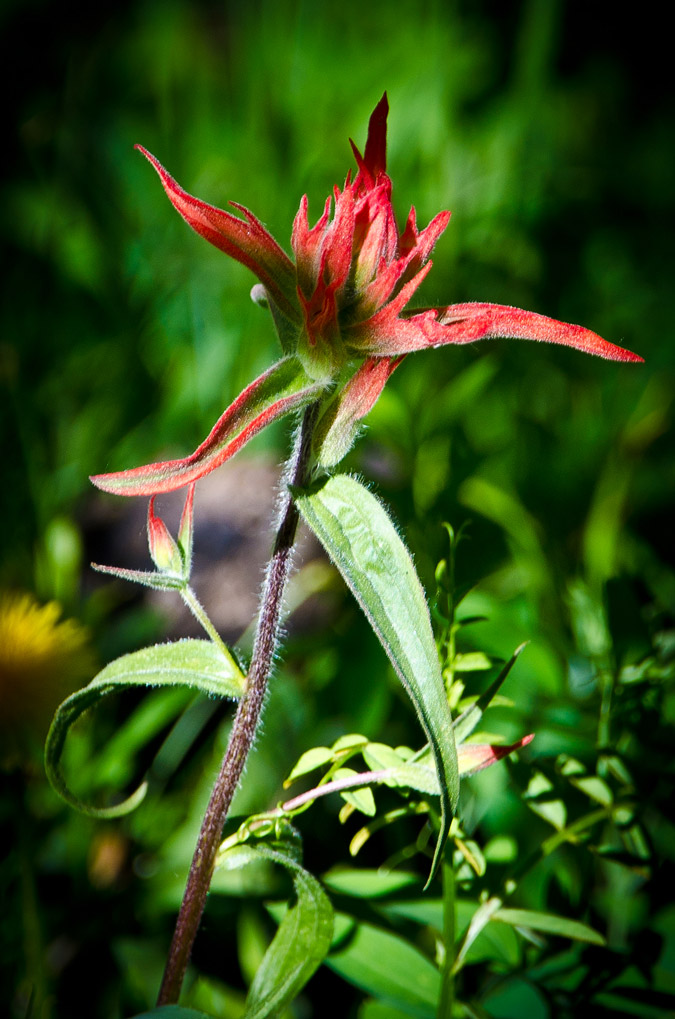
549 924
360 538
352 742
369 884
595 788
388 967
199 664
361 799
479 920
309 761
299 945
379 755
515 996
542 800
402 773
473 661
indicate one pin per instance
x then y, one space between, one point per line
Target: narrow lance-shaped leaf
281 389
469 719
548 923
360 538
194 663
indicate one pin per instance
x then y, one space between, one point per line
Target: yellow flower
42 660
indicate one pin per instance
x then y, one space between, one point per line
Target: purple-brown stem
244 727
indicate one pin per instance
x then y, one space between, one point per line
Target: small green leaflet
199 664
360 538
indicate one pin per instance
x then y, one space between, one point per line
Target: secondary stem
244 726
447 996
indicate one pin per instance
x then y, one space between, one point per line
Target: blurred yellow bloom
42 660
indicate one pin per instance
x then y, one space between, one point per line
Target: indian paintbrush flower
341 311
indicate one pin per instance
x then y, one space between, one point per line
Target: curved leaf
360 538
283 388
199 664
300 943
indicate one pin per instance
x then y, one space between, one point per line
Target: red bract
345 298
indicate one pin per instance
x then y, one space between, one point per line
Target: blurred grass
549 133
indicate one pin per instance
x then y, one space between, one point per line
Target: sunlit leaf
542 800
309 761
473 661
360 538
361 799
595 788
199 664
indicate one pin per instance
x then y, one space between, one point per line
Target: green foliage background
549 133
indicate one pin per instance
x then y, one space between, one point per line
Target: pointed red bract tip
477 321
375 156
244 239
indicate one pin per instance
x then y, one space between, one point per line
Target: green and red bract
343 303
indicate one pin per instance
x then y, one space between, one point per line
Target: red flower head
345 299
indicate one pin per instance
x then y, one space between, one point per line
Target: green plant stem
244 727
447 995
607 683
197 610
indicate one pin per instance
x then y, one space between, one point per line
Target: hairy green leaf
199 664
360 538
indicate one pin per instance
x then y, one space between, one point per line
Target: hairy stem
195 607
244 726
